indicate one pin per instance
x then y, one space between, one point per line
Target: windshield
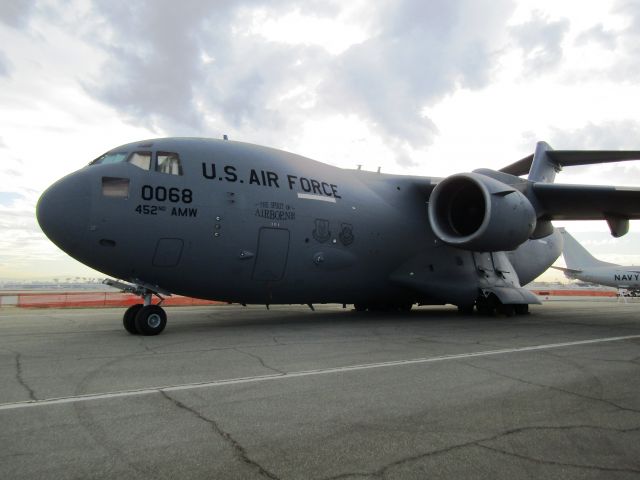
169 162
141 160
166 162
110 157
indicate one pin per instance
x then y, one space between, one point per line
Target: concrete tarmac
233 392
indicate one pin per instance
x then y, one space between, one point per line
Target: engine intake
476 212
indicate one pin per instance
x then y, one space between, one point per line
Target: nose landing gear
142 318
129 318
150 320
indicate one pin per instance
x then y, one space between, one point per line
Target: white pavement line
303 373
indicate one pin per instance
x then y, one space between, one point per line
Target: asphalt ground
233 392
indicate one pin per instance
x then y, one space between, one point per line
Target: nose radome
63 211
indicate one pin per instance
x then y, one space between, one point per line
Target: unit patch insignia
346 234
321 233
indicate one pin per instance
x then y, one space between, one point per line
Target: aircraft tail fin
576 256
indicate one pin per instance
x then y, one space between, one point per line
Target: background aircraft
242 223
581 265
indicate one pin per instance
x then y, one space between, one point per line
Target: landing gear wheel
129 318
506 310
151 320
465 309
522 309
405 307
486 306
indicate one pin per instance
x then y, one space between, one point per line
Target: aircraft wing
586 202
616 205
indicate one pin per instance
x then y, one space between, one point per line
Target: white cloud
335 33
16 13
5 65
607 39
220 67
540 39
429 88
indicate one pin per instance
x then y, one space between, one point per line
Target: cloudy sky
416 87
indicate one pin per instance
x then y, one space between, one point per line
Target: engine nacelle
476 212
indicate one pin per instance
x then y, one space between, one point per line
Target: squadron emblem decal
321 233
346 234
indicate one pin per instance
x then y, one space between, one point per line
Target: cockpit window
166 162
140 159
169 163
110 157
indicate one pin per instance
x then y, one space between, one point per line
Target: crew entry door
271 259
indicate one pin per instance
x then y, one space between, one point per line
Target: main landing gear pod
142 318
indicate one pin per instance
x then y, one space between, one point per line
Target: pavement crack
556 389
238 450
347 476
144 345
21 380
259 359
382 471
633 361
598 468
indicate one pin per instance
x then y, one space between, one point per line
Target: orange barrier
117 299
98 299
576 293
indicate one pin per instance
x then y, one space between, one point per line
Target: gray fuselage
250 224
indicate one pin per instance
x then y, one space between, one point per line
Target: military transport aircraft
581 265
236 222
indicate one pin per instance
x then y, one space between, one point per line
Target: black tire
506 310
151 320
359 307
405 307
465 309
486 306
129 318
522 309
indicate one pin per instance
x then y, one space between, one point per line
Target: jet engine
476 212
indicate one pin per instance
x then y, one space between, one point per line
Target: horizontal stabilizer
572 158
521 167
567 270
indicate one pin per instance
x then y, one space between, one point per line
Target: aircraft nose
63 211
